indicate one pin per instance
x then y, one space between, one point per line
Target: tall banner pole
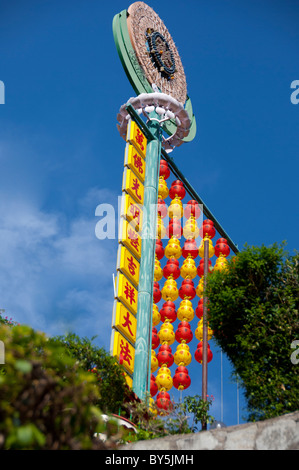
153 66
141 374
205 332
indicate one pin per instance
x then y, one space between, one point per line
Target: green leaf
23 366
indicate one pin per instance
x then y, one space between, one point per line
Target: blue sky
61 154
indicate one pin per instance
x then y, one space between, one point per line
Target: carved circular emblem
156 52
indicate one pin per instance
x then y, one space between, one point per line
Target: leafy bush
46 400
108 373
253 311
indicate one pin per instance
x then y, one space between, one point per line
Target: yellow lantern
182 356
188 269
152 407
175 208
201 248
161 230
154 362
166 333
200 287
158 272
164 379
185 311
173 249
170 290
221 264
191 229
162 188
156 315
199 331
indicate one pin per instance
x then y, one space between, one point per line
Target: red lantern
153 386
159 250
174 228
190 248
165 357
192 208
207 229
200 345
200 268
177 189
168 311
164 169
161 208
187 289
222 248
199 308
172 268
155 338
181 379
198 354
157 295
183 333
163 401
221 240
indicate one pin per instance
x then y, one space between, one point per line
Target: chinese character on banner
124 321
135 161
134 239
128 264
127 323
138 163
129 293
140 138
134 211
131 265
125 352
135 188
136 137
131 211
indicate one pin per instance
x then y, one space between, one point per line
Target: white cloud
55 275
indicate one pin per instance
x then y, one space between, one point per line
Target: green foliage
200 409
253 311
146 420
46 400
105 368
151 424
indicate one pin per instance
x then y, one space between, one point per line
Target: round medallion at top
156 52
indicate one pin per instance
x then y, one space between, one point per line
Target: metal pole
221 415
205 332
145 288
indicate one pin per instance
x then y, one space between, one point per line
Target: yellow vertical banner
127 293
127 264
133 186
131 211
135 161
124 321
123 350
130 238
136 137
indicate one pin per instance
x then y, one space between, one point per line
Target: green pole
141 373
